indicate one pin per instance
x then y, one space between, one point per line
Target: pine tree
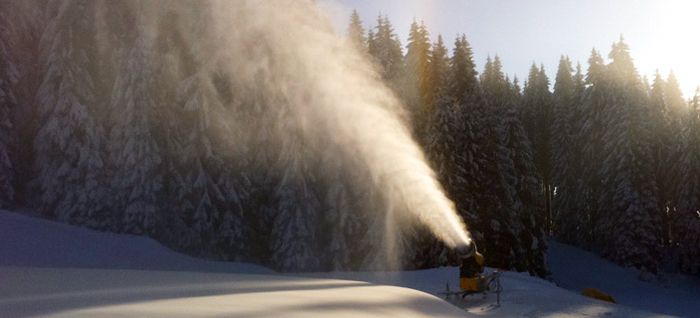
202 168
452 143
356 32
24 26
438 74
463 74
68 146
294 238
686 226
514 236
676 110
207 184
494 83
528 201
8 75
134 156
568 210
442 145
590 137
666 109
385 48
537 117
500 227
416 79
631 227
337 210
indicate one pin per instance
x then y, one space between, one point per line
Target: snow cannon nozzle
466 251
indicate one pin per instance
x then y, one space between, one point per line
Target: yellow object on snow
597 294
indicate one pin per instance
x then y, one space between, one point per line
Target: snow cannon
471 275
466 251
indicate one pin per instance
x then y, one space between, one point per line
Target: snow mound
126 293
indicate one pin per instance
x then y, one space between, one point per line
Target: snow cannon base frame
492 284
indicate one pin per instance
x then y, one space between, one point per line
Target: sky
662 34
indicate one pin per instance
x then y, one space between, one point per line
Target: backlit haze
662 34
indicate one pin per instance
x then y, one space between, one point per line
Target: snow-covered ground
575 269
58 270
54 292
36 242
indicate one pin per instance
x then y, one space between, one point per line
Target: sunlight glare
673 42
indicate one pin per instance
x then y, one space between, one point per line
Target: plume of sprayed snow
334 92
315 82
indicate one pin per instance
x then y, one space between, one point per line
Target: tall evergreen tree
68 146
568 209
631 227
590 137
203 181
416 79
686 226
385 48
438 74
294 237
8 75
463 74
537 116
514 233
666 112
24 26
356 32
134 156
340 225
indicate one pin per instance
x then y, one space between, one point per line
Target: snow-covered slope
30 241
576 269
522 296
57 270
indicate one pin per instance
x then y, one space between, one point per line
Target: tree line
97 128
604 159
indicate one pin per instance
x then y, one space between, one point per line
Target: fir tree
416 78
665 118
207 184
463 74
8 75
686 226
385 48
68 146
537 116
438 74
566 155
135 158
631 227
294 239
452 144
203 179
356 32
338 215
514 234
590 136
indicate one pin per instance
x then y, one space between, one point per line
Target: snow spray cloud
287 51
331 85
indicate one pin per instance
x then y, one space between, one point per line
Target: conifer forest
126 126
